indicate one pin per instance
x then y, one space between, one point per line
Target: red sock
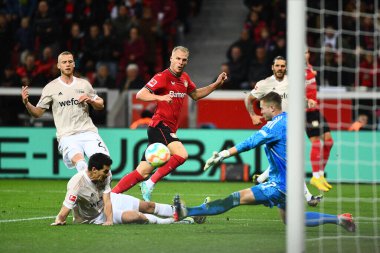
172 164
315 156
127 182
327 145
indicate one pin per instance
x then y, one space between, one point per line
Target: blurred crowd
117 44
341 43
120 44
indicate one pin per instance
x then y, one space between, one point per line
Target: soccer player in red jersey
317 129
168 88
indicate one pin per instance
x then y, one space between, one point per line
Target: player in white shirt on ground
89 196
278 83
69 98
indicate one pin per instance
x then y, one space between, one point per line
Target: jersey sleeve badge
152 82
72 198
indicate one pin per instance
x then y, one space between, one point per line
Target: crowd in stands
109 39
336 55
120 44
117 44
261 39
347 44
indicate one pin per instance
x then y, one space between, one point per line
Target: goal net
343 39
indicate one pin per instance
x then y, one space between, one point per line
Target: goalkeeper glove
216 158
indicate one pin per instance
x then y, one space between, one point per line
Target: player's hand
221 78
166 98
107 223
25 94
256 119
216 158
254 179
311 103
85 98
58 223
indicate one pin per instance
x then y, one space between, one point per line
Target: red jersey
311 86
164 83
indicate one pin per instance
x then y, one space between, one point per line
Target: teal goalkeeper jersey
273 135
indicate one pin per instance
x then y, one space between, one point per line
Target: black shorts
160 133
316 124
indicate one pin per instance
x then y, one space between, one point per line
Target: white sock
316 174
263 176
163 210
306 192
155 220
149 183
321 173
81 165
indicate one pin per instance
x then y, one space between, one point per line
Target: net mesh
343 39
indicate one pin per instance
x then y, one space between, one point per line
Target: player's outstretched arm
33 111
108 209
205 91
61 217
248 101
145 95
218 157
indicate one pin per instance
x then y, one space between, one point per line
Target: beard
100 184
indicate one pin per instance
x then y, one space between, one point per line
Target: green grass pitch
27 207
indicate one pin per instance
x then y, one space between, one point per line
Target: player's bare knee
246 197
147 207
77 157
150 208
185 156
144 169
133 217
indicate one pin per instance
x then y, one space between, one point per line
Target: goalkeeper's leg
215 207
316 219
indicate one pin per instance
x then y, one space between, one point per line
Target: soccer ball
157 154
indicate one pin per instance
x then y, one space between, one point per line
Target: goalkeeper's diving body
273 192
278 82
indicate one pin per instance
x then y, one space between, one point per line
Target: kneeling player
89 196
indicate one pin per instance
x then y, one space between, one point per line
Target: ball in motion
157 154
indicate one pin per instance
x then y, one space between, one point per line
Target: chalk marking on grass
28 219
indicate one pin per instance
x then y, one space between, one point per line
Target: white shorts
86 143
121 203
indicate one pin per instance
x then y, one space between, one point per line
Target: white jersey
269 84
86 198
70 116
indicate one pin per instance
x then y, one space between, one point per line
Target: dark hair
274 98
98 160
279 57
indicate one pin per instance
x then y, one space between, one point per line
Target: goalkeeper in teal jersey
273 192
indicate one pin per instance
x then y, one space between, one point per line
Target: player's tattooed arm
248 101
33 110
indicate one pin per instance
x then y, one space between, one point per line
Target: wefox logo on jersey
284 96
73 101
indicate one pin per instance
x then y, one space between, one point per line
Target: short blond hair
65 53
182 48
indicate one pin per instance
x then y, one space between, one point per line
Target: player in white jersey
89 196
69 98
278 83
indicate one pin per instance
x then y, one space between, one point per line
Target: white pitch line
28 219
